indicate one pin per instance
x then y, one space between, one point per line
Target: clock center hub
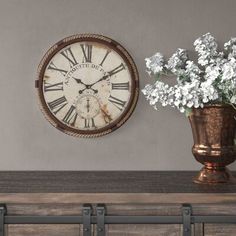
84 79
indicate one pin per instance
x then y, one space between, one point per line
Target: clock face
88 85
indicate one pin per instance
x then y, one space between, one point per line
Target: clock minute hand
103 78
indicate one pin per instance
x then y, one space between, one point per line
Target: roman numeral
87 51
89 123
52 66
70 116
120 86
67 53
117 102
53 87
117 69
57 104
104 58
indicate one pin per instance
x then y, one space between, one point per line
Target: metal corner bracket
86 214
186 213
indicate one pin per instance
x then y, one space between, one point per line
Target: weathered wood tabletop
130 193
106 182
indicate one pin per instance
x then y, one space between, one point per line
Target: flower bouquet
206 93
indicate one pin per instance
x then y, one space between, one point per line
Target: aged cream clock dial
87 85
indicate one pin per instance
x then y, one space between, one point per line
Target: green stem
231 105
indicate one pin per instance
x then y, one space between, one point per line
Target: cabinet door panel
143 230
43 230
220 229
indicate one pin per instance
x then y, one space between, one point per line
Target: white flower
177 61
228 45
214 81
190 104
228 72
208 92
147 89
212 72
191 67
230 48
233 52
229 69
206 47
154 64
192 73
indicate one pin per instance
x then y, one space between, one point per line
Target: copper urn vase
214 129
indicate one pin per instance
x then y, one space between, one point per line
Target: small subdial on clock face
88 106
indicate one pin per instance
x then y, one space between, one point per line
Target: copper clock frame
93 38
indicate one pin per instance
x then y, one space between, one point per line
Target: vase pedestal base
214 176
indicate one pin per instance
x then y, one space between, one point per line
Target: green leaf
158 76
188 112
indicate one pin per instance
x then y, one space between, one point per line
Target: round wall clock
87 85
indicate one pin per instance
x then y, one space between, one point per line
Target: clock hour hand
79 81
87 86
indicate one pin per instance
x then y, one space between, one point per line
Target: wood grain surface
43 230
105 182
123 193
117 198
219 229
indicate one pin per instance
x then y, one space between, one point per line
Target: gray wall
150 140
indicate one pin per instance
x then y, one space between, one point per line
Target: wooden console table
114 203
